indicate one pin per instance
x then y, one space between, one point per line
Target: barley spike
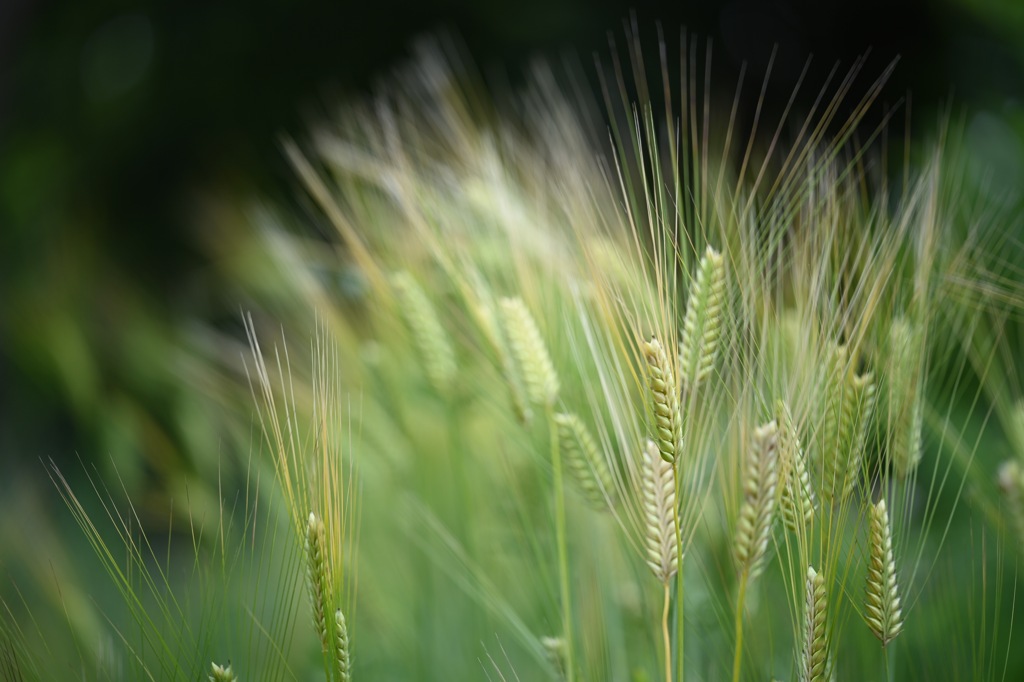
702 324
584 460
883 610
757 511
530 352
664 399
660 514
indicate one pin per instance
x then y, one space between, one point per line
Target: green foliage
431 517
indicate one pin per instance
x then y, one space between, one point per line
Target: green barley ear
905 403
554 647
757 512
814 658
702 325
850 400
584 460
222 673
862 403
530 352
341 647
664 400
1011 482
316 566
883 610
660 516
797 499
428 334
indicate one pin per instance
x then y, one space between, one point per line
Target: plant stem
665 635
680 630
739 628
563 549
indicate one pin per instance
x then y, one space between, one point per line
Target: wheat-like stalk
862 401
554 649
796 503
1011 482
814 659
342 655
757 511
530 352
584 459
219 673
664 400
702 324
319 582
427 331
660 515
905 402
883 610
849 400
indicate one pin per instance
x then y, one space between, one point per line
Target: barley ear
341 647
815 656
316 565
797 499
883 610
849 402
428 334
584 460
702 324
1011 482
219 673
664 400
530 352
554 647
757 511
904 403
660 516
862 401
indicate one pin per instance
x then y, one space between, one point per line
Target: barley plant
544 398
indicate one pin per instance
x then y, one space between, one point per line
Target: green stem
665 636
736 661
563 549
680 593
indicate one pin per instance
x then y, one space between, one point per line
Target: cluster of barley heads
655 405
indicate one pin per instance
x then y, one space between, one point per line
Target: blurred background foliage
126 125
134 135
